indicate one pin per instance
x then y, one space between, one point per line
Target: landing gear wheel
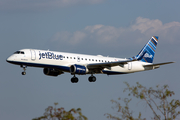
24 68
92 79
23 73
74 80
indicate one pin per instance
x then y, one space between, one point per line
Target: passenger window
82 58
89 59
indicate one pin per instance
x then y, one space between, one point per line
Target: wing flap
108 64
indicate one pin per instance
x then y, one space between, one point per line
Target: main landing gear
74 79
24 68
92 78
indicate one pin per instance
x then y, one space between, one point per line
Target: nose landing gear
23 73
24 68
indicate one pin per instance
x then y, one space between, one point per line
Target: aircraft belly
43 64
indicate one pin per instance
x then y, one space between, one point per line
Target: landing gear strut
92 78
74 79
24 68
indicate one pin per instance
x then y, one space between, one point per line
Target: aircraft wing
107 64
157 64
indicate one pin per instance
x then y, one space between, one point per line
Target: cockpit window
22 52
19 52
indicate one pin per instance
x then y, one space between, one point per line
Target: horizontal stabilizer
157 64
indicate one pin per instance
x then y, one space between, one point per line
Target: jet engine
51 72
78 69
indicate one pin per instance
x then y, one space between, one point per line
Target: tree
157 99
123 113
60 114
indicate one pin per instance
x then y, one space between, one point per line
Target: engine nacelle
51 72
78 69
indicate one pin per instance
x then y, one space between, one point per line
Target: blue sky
114 28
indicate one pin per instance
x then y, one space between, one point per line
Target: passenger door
33 55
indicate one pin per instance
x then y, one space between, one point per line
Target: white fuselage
63 61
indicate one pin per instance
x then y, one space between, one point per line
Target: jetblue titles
50 55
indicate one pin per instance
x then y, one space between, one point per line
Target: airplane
56 63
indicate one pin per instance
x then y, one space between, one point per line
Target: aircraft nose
9 59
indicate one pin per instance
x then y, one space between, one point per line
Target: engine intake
51 72
78 69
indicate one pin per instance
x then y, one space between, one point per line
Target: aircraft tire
74 80
92 79
23 73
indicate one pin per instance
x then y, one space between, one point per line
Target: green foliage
60 114
123 111
157 97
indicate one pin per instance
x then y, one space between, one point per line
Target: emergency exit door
129 65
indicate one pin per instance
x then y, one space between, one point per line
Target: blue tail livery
148 51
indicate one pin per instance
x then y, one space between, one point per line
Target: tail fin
148 51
